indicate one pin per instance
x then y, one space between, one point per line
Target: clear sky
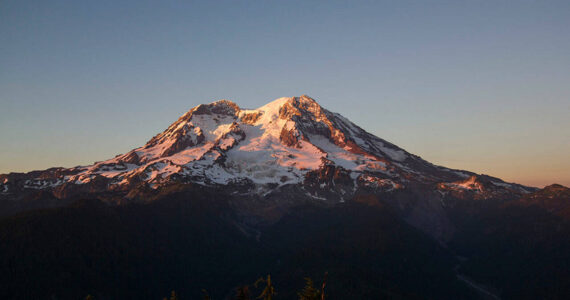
476 85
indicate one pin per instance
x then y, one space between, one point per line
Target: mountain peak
555 186
302 102
223 107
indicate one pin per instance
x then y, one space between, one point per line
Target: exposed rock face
329 175
291 144
183 139
251 118
482 187
132 158
289 137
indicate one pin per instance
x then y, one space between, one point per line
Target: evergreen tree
324 285
269 291
173 296
309 292
206 295
242 293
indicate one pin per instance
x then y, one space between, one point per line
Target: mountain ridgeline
225 195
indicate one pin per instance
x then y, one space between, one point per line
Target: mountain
287 141
289 148
225 195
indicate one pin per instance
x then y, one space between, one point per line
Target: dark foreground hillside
190 242
521 247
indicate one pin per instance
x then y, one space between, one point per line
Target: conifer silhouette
242 293
269 291
173 296
309 292
324 285
206 295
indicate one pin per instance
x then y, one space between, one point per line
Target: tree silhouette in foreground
242 293
309 292
206 295
173 296
324 285
269 291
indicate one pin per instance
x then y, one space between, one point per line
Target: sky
476 85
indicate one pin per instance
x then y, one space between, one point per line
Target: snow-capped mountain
288 141
274 157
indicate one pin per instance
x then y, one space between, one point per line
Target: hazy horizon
477 86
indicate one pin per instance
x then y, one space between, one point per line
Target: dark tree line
244 292
309 291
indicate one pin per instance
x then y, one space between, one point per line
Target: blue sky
477 85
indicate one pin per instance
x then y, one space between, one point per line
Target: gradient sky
476 85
